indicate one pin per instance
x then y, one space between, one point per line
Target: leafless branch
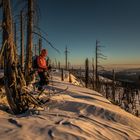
103 58
38 28
47 41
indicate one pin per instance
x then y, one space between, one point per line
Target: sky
79 23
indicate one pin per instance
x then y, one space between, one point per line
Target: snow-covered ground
75 114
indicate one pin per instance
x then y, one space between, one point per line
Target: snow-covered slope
75 114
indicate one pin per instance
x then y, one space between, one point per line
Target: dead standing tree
98 55
113 85
15 84
28 64
93 74
14 80
35 50
40 45
22 40
86 72
66 58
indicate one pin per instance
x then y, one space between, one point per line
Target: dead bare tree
66 58
93 74
14 79
15 34
15 84
28 64
86 72
98 55
35 49
22 40
40 45
113 85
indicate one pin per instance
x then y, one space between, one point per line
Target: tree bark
28 65
21 41
86 72
10 63
40 45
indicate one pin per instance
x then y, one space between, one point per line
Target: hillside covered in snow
76 113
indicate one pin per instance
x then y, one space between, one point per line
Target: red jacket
42 64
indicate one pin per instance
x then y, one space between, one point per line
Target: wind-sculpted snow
75 114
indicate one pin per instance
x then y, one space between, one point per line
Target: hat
44 52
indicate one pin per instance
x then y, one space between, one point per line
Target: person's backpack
34 62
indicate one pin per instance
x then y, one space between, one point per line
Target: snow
75 114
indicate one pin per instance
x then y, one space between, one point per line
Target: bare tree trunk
96 65
70 80
40 45
35 48
113 85
66 58
93 74
28 65
15 41
86 72
98 56
22 40
15 34
62 75
10 63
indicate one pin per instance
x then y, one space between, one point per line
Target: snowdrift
75 114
